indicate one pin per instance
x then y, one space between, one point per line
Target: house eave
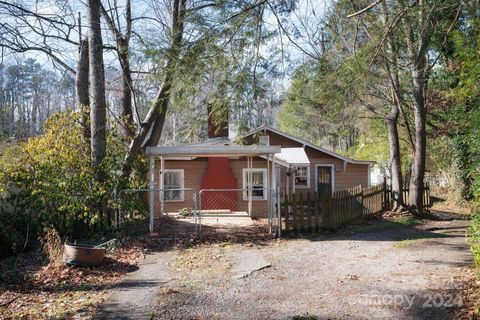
307 144
212 151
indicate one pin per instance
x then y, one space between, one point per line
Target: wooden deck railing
313 212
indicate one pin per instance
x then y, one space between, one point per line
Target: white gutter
212 151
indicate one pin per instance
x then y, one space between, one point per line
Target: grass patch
172 297
209 261
195 269
403 244
407 243
387 224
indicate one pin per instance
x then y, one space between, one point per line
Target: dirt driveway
406 272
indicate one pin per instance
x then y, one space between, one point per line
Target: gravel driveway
412 272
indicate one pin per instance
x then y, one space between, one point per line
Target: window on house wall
173 179
302 177
259 184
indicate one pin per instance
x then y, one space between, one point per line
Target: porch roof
292 156
213 151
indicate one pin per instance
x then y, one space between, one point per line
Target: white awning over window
292 157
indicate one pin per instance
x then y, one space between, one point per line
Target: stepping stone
244 263
136 296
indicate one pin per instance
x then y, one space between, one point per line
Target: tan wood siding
193 174
354 175
194 171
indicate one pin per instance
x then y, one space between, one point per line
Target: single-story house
266 161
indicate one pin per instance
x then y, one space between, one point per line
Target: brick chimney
219 174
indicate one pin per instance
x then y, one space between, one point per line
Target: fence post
385 195
294 213
328 209
309 212
287 214
302 213
426 196
316 204
429 198
362 208
321 211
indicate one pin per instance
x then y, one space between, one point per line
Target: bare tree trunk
126 98
153 123
152 127
98 105
81 86
391 65
418 166
392 123
122 42
417 41
395 159
33 124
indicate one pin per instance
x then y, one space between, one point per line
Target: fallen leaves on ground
34 290
453 207
470 294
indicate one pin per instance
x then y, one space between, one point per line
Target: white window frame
308 178
244 183
182 184
333 175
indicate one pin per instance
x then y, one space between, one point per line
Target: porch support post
266 183
250 184
151 192
274 175
278 213
273 193
287 183
287 186
162 194
293 179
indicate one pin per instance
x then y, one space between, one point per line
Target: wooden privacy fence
312 212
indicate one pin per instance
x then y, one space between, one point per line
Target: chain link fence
193 205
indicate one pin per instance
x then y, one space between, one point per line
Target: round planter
83 255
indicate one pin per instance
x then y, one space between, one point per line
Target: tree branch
370 6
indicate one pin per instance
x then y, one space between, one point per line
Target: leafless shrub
52 246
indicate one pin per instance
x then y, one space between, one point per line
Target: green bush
17 219
474 237
51 182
